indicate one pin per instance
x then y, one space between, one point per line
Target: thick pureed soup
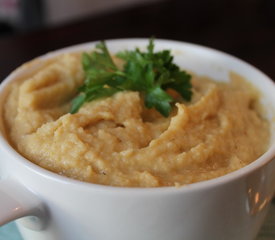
118 141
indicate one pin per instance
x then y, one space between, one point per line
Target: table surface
244 28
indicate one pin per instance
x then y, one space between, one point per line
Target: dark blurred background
244 28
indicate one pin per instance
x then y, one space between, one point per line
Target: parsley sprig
150 73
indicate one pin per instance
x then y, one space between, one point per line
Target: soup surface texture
117 141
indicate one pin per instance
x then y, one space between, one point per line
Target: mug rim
265 158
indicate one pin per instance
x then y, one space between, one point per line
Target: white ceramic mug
53 207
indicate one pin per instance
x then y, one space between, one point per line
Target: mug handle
16 201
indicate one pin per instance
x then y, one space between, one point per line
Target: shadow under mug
50 206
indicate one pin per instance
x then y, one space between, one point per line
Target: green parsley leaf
150 73
159 99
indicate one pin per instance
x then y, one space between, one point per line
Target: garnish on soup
150 73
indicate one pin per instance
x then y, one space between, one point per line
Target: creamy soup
117 141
